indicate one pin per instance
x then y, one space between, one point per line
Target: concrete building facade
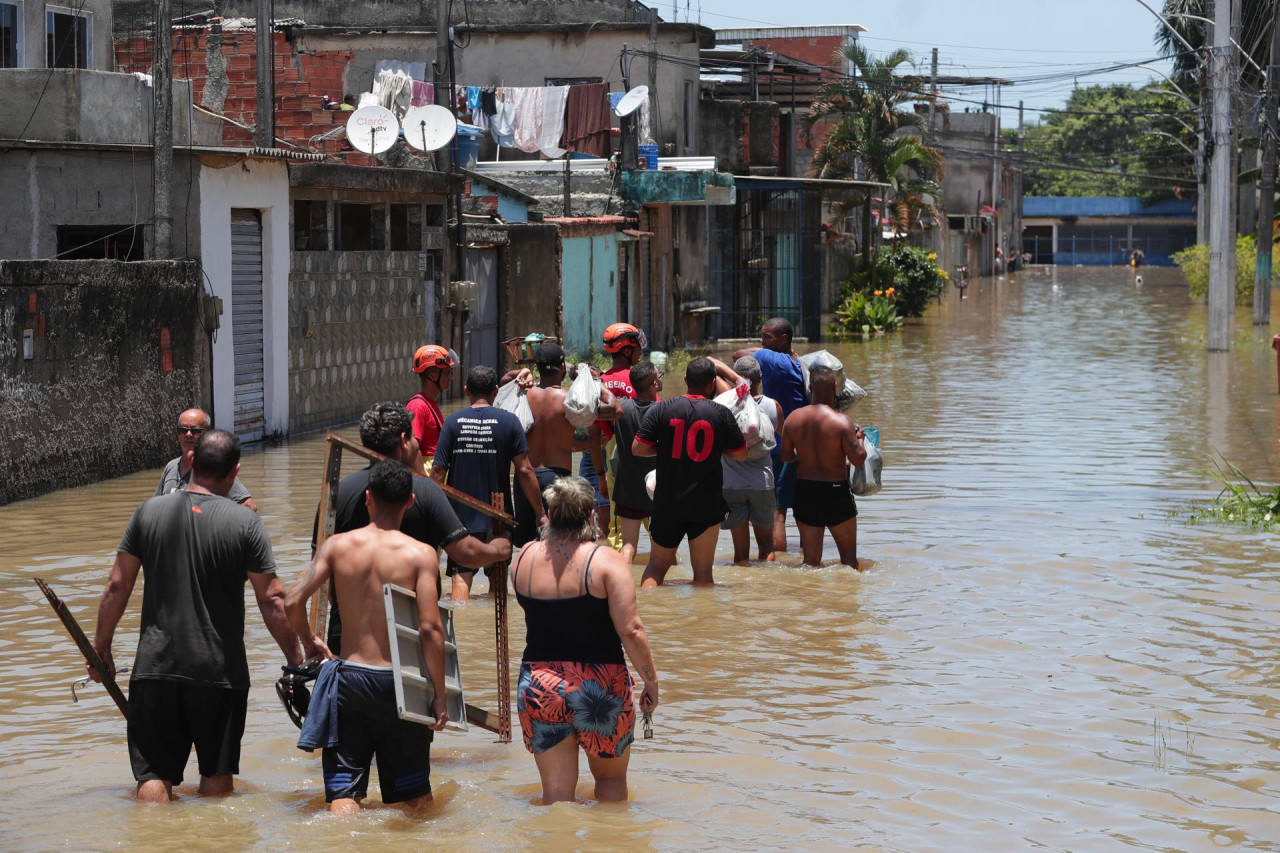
36 34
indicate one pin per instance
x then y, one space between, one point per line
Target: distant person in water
823 442
192 424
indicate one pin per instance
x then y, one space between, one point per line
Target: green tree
871 110
1135 137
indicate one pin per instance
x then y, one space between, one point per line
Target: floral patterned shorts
592 701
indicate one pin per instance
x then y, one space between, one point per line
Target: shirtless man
822 442
360 562
551 436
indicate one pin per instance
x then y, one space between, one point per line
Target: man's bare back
551 436
824 441
361 562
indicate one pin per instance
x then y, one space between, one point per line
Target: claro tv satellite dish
429 128
372 129
632 101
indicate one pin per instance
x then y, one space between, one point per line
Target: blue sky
1013 39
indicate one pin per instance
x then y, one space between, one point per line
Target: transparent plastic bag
512 398
756 428
865 479
848 392
583 400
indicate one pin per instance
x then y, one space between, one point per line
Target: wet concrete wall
97 360
741 135
355 319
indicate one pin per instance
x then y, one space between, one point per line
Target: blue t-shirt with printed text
782 379
477 447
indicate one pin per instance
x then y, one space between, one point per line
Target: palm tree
1255 38
871 110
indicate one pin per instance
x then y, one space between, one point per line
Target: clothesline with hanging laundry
550 119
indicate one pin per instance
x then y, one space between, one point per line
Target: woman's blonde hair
571 505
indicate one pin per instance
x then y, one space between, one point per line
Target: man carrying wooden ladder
354 704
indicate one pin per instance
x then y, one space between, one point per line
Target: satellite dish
429 128
631 101
372 129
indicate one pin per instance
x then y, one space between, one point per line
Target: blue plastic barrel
648 156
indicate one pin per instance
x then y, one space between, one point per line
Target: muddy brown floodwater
1041 656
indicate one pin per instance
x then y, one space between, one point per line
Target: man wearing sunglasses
192 424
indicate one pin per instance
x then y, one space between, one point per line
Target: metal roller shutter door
246 323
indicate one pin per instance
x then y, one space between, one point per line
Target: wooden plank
328 520
86 648
461 497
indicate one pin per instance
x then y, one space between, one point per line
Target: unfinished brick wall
300 80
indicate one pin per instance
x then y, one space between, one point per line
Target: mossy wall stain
95 400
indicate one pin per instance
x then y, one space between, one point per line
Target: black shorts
634 514
367 726
167 717
667 530
823 504
526 518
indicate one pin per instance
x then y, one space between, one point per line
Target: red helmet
433 355
622 335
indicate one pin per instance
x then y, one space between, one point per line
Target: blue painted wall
1111 206
510 209
589 289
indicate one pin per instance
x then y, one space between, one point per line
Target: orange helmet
621 335
433 355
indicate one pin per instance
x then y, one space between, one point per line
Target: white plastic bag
865 479
756 428
512 398
583 400
848 392
651 482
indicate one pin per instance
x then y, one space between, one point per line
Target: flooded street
1042 655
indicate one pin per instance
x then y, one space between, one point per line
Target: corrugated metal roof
1103 206
747 33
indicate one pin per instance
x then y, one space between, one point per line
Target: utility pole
264 135
444 157
1221 228
933 91
162 144
627 124
1266 205
655 129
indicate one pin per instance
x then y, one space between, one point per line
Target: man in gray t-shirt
191 425
190 680
748 485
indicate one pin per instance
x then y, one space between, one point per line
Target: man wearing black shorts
356 695
823 442
190 679
478 447
387 428
688 435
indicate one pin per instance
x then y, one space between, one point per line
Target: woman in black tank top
579 601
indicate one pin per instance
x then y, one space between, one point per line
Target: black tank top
576 629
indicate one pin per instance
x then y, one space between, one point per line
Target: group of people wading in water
200 539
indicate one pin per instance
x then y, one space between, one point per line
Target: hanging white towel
501 123
553 104
528 117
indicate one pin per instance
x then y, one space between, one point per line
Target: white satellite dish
373 129
632 101
429 128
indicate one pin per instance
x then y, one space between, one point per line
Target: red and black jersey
691 433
